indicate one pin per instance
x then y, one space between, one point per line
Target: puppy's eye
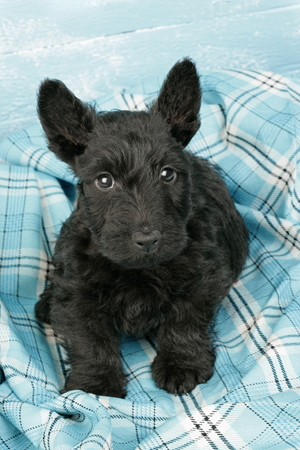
105 181
167 175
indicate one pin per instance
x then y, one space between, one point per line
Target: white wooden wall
99 46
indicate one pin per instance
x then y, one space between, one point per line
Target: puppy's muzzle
146 242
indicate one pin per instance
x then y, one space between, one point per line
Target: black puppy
155 241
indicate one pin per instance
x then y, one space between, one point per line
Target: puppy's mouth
148 261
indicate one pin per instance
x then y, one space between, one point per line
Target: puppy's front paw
176 378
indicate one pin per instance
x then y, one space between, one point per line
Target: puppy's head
135 177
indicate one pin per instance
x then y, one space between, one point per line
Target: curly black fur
153 252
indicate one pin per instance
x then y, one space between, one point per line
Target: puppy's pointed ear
179 101
65 119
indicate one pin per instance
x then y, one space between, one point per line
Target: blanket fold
251 129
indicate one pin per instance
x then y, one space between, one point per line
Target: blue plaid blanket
251 129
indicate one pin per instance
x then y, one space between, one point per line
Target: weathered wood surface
100 46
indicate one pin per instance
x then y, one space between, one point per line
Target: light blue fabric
251 129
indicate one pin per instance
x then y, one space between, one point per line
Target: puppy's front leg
184 354
95 362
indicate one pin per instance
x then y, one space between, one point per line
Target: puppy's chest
138 306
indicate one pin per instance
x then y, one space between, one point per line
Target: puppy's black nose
146 242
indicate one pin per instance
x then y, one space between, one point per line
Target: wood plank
257 38
32 24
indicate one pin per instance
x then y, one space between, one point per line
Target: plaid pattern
251 128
